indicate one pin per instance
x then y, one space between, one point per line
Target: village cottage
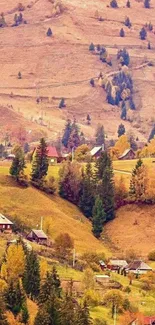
5 224
38 236
138 267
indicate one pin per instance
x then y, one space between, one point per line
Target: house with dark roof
138 267
96 151
127 155
5 224
52 155
38 236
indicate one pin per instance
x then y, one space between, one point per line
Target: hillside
27 206
62 66
133 228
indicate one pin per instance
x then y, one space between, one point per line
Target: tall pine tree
105 184
87 191
31 278
18 164
98 218
40 162
100 135
3 319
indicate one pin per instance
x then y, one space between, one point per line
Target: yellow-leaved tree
14 266
122 144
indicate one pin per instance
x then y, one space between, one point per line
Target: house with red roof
149 320
52 155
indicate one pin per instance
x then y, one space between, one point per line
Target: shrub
151 256
21 7
113 4
149 46
92 297
122 33
123 56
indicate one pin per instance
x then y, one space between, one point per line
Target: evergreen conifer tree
15 297
50 286
40 162
122 33
91 47
98 218
67 132
128 4
147 4
18 164
25 314
123 111
42 317
31 278
49 32
143 33
121 130
87 191
152 134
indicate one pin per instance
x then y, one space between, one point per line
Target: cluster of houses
55 157
121 266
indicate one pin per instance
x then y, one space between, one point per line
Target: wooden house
96 151
52 155
127 155
38 236
115 265
138 267
5 224
102 278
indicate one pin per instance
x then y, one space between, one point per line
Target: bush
19 75
151 256
92 297
113 4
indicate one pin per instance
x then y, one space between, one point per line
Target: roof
39 233
102 276
95 150
138 265
126 152
4 220
149 320
118 263
52 152
102 263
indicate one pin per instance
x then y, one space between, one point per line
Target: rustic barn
138 267
5 224
127 155
96 151
38 236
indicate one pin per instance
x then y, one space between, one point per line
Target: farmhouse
38 236
115 265
96 151
138 267
127 154
52 155
5 224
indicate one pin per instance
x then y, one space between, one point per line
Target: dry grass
57 63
